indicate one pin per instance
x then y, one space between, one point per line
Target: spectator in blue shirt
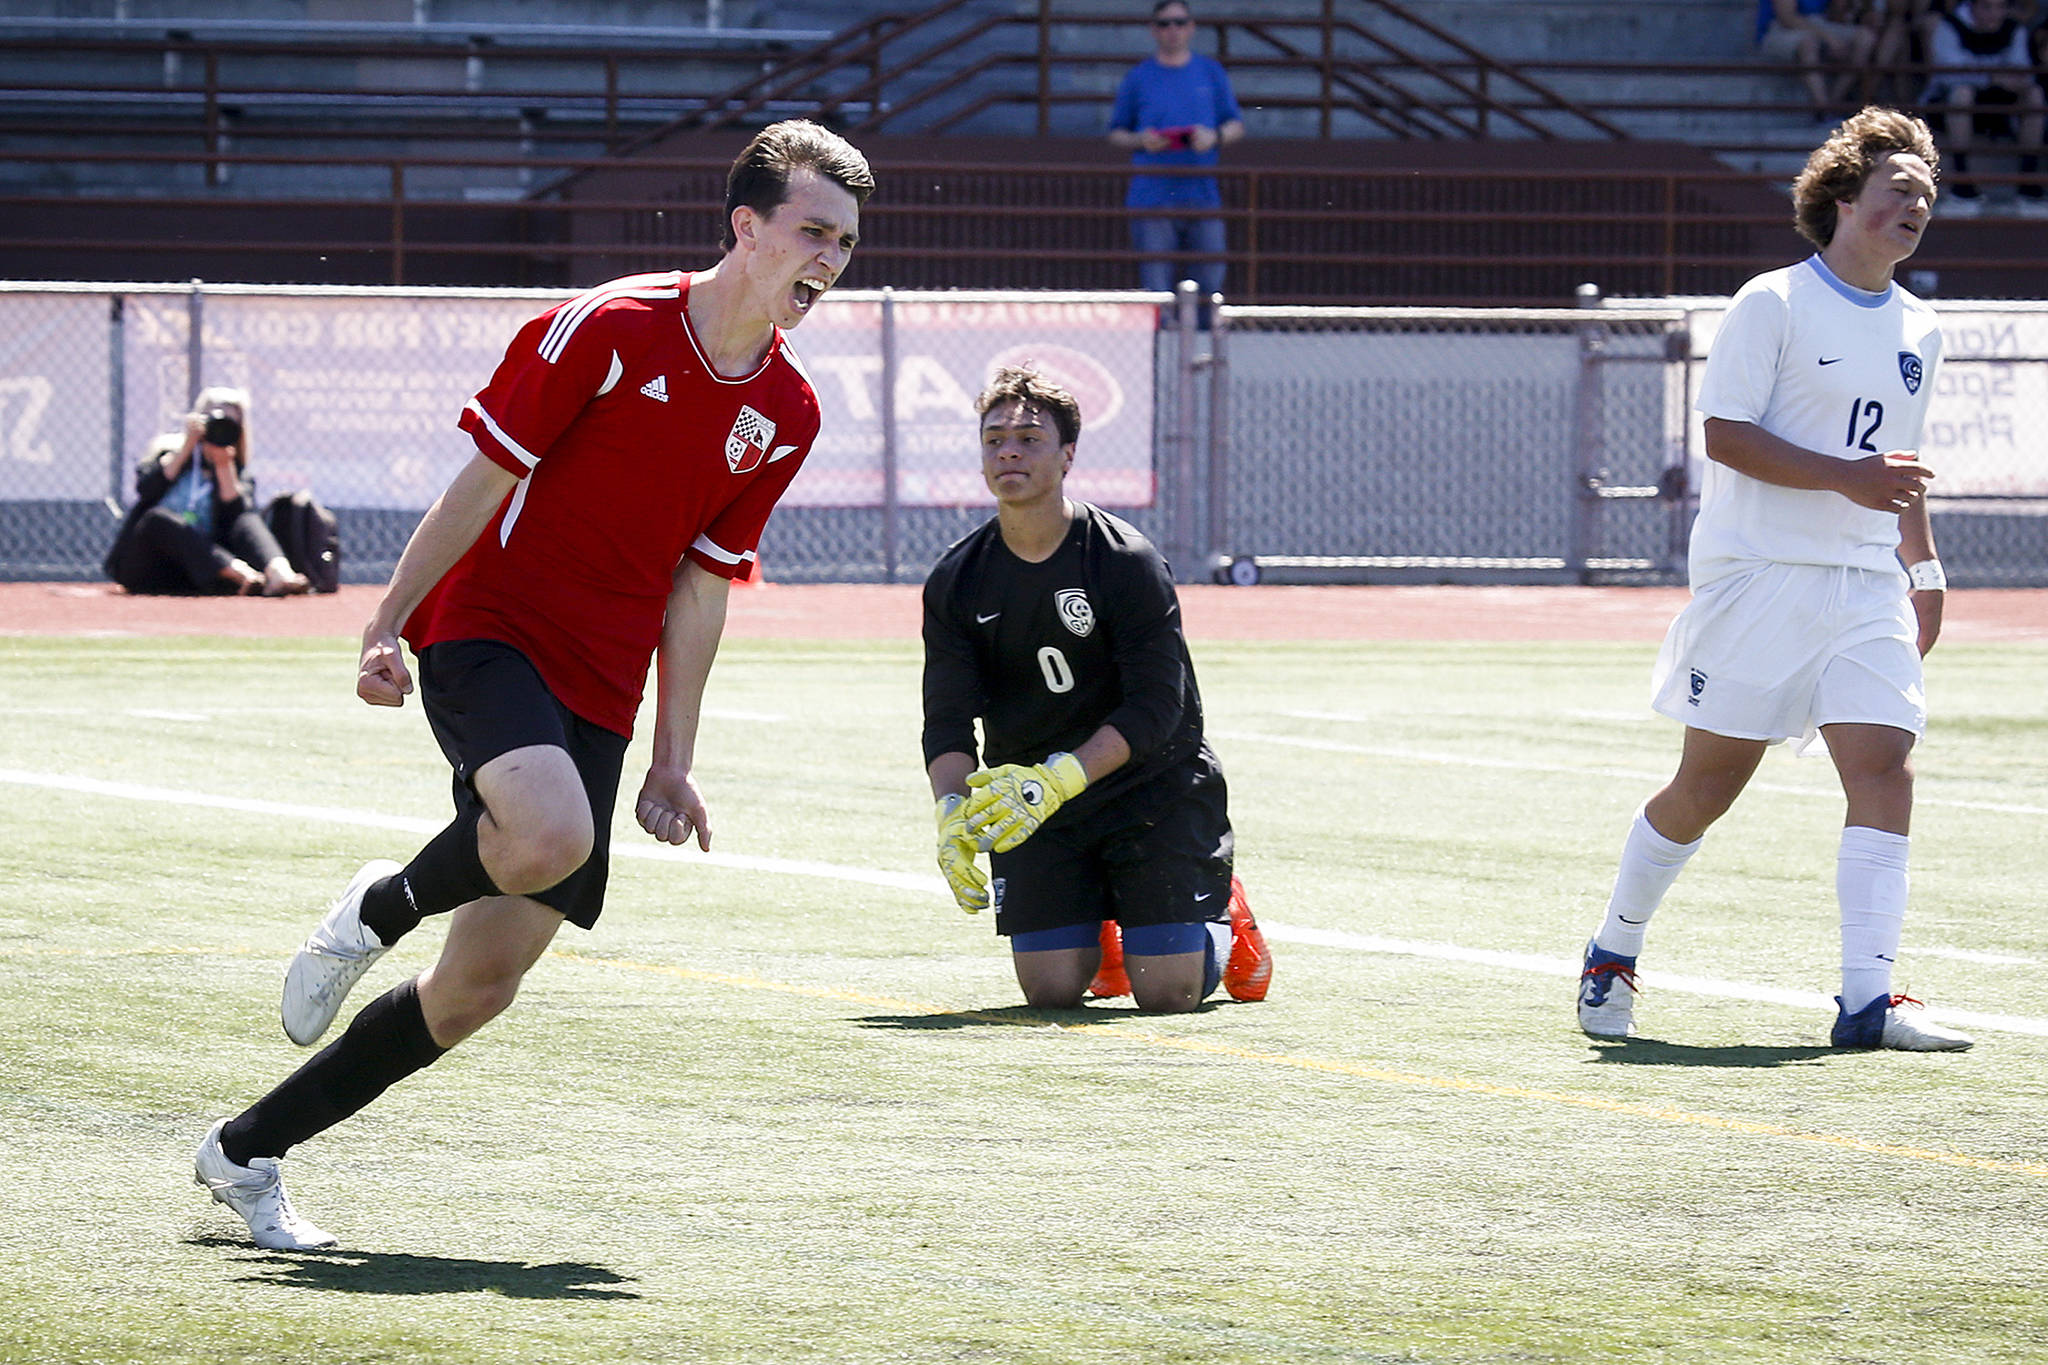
1176 109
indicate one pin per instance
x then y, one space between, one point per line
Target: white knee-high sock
1649 864
1870 883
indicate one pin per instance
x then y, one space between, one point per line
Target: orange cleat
1249 973
1110 978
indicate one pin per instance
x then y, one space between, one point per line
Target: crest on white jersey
748 444
1075 613
1910 371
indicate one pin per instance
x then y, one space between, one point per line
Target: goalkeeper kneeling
1101 806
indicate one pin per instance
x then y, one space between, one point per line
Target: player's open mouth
807 292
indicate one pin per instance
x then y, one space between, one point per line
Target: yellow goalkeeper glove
967 882
1010 803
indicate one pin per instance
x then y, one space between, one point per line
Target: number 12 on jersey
1863 410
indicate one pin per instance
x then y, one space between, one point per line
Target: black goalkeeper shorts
1157 856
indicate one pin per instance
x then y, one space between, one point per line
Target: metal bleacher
274 76
1412 150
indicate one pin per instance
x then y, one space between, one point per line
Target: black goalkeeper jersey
1045 654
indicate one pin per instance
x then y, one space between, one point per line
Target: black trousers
162 556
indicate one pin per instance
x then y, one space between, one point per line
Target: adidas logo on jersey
656 388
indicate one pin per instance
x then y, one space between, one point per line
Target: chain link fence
355 392
1376 445
1396 444
1527 445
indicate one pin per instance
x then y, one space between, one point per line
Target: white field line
932 885
146 713
1332 746
1569 967
407 824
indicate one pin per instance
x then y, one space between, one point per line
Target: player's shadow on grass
397 1273
1650 1052
1015 1016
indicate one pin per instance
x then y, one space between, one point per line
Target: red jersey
632 453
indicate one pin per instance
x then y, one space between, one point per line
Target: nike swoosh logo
984 620
1836 361
1626 920
1204 896
780 452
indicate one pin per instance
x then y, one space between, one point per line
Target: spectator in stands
1983 73
1176 109
1898 30
1832 53
2038 47
194 529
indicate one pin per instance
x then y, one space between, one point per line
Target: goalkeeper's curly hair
1026 384
1839 167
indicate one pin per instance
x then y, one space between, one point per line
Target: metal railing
1366 69
1311 235
1369 58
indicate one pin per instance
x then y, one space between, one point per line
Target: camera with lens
223 428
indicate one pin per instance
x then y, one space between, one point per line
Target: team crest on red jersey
748 444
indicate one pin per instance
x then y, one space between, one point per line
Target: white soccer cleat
1607 994
1894 1023
331 961
256 1191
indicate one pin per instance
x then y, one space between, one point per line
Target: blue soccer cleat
1885 1024
1604 1010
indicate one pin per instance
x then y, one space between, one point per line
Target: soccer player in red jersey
629 450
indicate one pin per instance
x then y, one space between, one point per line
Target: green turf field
782 1105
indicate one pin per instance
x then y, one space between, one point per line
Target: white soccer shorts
1784 649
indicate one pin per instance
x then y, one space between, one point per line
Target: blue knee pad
1050 940
1184 936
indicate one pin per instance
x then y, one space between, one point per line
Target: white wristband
1926 576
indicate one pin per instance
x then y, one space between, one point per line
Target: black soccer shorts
484 698
1158 855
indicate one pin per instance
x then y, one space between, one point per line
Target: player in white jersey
1816 590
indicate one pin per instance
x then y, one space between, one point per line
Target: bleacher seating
383 136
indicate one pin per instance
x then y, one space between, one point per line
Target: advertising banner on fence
1102 353
56 442
356 397
352 397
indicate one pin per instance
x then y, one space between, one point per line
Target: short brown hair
760 176
1839 167
1025 384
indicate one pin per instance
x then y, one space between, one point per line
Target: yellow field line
1206 1047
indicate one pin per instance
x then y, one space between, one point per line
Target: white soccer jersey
1828 367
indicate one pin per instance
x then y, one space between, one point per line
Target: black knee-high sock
386 1043
447 873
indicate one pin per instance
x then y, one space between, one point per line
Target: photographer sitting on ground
194 528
